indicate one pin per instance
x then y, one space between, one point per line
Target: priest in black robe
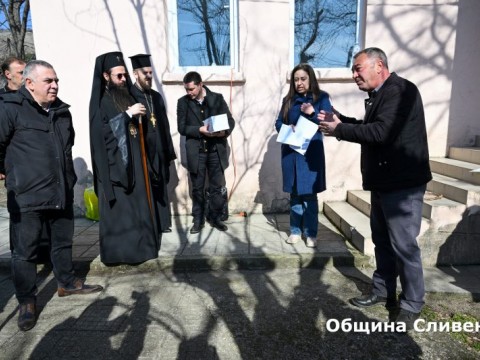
159 144
128 227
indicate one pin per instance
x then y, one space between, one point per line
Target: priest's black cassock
160 150
128 226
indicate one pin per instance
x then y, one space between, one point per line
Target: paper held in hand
301 137
217 123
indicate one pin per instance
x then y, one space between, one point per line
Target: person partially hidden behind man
206 151
395 168
12 71
36 139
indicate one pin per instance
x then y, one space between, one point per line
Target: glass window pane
325 32
203 32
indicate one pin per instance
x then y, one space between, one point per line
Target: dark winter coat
189 121
36 153
393 136
304 174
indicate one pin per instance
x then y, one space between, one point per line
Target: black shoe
370 300
27 316
196 228
167 230
407 317
393 312
218 224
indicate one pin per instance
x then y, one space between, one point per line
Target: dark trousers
26 232
208 165
395 220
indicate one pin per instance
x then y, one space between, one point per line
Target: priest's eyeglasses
119 76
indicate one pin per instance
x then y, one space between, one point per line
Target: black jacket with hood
36 153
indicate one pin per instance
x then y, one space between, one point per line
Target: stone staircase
450 232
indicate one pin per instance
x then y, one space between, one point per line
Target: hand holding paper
301 137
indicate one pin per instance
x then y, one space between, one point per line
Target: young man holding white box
206 150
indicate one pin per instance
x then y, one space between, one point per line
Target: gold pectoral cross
153 119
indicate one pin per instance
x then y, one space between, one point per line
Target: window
203 34
327 33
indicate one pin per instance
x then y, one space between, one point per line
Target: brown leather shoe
27 316
78 288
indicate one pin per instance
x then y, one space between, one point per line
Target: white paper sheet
217 123
301 137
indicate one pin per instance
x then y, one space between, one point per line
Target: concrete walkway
274 302
253 242
256 241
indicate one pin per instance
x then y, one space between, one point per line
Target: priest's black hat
112 59
103 63
140 61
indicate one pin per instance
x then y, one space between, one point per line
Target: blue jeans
395 220
26 233
304 208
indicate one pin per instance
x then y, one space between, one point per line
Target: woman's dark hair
313 88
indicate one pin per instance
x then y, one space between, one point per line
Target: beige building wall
417 35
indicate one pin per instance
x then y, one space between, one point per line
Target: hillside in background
5 47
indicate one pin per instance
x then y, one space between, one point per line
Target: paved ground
272 303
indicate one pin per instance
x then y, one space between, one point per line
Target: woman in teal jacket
303 175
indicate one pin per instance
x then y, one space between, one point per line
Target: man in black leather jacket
395 168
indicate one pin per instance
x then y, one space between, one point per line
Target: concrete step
435 207
360 199
441 211
455 189
354 224
457 169
468 154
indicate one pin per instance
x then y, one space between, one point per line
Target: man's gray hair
32 66
374 53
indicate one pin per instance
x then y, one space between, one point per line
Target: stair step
456 168
360 199
468 154
442 211
455 189
435 206
352 223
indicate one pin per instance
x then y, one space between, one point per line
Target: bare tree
213 18
16 14
321 27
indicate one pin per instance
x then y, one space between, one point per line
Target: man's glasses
119 76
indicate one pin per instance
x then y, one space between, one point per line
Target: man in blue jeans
36 139
395 168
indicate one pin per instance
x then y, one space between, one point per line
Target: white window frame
173 43
331 73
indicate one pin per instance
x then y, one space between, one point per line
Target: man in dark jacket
36 139
206 151
159 144
395 168
12 71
